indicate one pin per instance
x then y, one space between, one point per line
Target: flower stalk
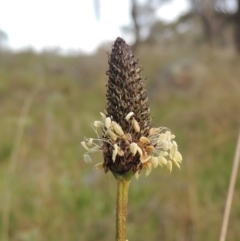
121 209
125 136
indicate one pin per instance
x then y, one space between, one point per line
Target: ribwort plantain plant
124 134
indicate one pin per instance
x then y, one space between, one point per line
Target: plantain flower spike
124 133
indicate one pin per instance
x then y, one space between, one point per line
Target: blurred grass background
54 195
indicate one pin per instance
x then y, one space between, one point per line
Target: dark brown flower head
125 89
128 142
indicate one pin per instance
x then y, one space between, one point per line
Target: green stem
121 215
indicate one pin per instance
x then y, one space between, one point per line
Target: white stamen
120 152
129 115
114 154
144 140
112 135
99 165
84 145
176 163
117 128
162 138
133 148
154 161
173 151
154 131
138 70
163 153
162 161
168 135
98 124
165 145
135 125
175 143
143 160
87 158
136 175
108 122
169 166
149 149
178 157
148 171
90 141
148 166
103 116
139 151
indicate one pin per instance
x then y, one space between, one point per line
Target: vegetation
56 196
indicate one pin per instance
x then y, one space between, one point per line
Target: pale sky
69 24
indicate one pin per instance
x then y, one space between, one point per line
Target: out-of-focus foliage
215 20
215 15
143 16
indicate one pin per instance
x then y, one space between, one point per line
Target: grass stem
230 192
